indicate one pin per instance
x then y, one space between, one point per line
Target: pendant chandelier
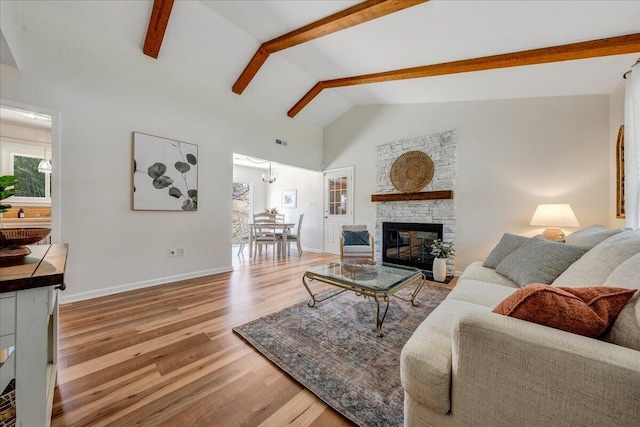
270 178
44 166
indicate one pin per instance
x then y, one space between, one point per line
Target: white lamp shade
554 215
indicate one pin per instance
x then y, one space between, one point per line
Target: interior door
338 206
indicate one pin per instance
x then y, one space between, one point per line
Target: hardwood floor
166 355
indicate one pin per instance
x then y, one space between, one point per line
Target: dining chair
264 233
295 237
244 232
279 218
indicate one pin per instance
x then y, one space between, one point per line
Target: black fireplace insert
406 243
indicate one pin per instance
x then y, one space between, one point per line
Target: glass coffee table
378 282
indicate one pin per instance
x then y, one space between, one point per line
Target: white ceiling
430 33
215 39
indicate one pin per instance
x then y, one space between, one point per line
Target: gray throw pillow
589 237
506 245
539 261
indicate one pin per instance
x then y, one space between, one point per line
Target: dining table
284 226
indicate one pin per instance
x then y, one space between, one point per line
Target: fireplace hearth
409 244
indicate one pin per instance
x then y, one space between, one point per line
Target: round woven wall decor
412 171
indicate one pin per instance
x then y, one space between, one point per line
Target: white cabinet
29 323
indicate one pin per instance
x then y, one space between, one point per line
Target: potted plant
441 250
6 181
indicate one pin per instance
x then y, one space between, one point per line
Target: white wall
308 185
252 176
512 156
309 191
616 107
104 89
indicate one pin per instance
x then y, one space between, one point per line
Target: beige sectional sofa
467 366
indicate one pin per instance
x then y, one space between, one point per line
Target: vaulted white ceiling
431 33
216 39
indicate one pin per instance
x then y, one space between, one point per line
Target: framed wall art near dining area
289 199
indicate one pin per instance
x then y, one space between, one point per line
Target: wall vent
281 142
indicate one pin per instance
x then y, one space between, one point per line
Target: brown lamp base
554 234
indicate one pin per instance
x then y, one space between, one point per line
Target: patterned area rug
333 350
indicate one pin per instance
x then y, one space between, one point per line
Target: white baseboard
312 250
65 299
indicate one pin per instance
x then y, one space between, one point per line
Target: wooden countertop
26 220
44 266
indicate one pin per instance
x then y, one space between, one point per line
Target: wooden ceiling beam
590 49
157 26
355 15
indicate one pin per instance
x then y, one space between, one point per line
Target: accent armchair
356 242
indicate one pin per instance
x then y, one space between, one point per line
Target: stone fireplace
441 147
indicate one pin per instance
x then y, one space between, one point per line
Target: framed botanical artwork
620 174
289 199
165 174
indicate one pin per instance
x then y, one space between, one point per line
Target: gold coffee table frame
380 285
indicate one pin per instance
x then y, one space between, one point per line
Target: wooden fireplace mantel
401 197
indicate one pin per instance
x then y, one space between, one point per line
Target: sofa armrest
508 371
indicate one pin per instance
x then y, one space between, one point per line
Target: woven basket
22 236
412 171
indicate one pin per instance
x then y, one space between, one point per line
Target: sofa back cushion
591 236
626 329
597 264
507 244
539 261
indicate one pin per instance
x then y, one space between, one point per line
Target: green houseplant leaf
6 181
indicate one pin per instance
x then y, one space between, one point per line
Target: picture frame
289 199
620 212
165 174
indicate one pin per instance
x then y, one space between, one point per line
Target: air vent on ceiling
281 142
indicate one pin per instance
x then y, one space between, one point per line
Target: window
30 182
241 207
32 187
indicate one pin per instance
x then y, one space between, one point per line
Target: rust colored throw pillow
586 311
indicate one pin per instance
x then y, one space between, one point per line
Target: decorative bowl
359 265
13 240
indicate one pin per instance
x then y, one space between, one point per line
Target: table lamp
554 216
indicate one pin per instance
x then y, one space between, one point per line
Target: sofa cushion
626 329
352 238
476 271
596 265
507 244
356 250
587 311
425 361
539 261
478 292
591 236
